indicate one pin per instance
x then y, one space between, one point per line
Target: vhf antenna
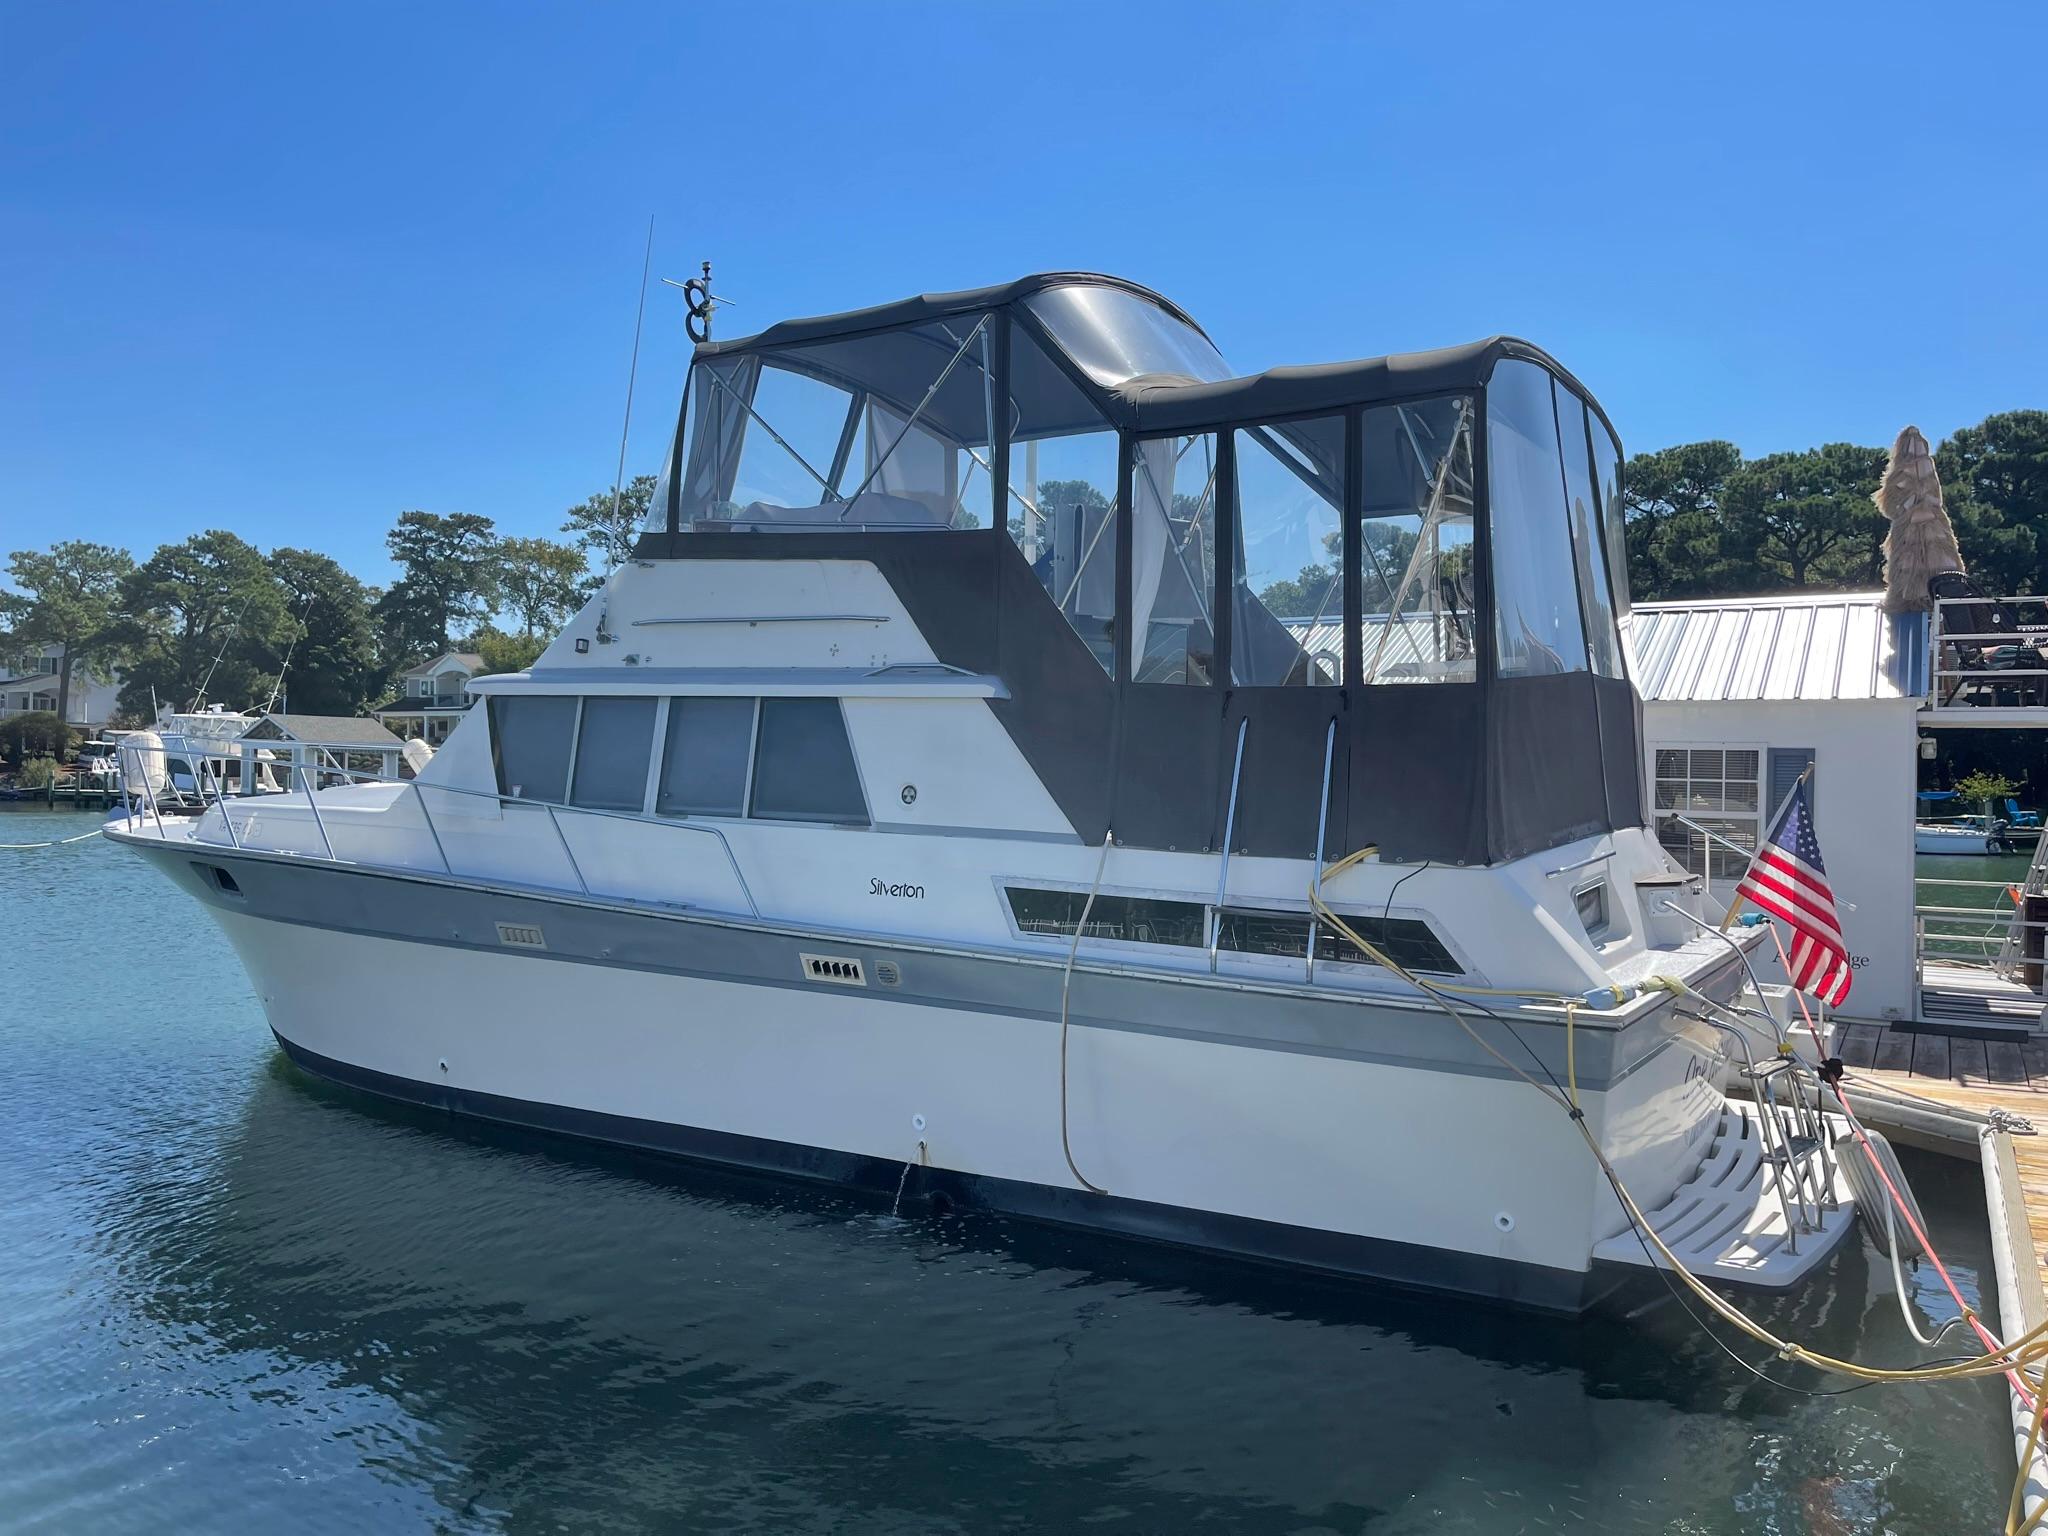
632 376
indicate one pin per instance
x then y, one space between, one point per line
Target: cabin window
1062 505
1409 942
803 764
1720 788
1590 902
1131 919
1173 559
612 747
531 736
704 761
1596 596
1415 543
889 429
1287 582
1535 586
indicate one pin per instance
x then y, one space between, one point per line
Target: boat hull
1336 1133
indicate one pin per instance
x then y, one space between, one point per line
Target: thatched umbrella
1921 542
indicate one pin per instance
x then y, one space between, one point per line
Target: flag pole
1737 904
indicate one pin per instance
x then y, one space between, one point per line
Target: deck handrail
227 803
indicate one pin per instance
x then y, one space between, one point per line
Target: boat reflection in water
550 1335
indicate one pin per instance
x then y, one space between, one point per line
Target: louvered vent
839 970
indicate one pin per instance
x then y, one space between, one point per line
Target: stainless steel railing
227 805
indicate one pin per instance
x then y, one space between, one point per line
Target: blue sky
290 270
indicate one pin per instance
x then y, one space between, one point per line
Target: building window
1720 789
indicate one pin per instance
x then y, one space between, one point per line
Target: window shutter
1787 763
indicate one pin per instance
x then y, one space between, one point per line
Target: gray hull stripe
1342 1026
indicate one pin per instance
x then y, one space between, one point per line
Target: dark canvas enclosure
1389 577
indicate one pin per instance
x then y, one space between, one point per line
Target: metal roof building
1834 646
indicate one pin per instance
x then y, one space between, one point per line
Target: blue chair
2020 818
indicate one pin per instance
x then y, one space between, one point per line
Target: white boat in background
940 795
1959 838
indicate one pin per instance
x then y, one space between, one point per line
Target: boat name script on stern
884 888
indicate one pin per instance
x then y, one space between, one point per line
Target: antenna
285 666
702 301
224 639
632 374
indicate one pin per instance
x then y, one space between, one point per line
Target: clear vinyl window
1416 585
1173 559
1535 582
1287 576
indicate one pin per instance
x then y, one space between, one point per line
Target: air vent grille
838 970
521 936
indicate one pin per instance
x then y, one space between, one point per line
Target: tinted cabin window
1415 547
1535 586
704 761
530 741
1132 919
612 748
1407 941
803 764
1173 559
1287 583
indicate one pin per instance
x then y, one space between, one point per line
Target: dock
1995 1096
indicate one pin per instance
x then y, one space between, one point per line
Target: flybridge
1386 598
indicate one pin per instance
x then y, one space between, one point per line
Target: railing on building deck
2003 667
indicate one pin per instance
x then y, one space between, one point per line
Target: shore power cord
2010 1360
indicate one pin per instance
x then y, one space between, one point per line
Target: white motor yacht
948 794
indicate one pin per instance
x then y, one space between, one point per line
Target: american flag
1787 879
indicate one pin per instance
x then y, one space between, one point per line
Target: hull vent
839 970
521 936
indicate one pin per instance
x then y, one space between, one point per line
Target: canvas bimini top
1419 554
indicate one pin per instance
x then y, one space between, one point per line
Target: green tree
1673 499
203 619
331 664
540 582
35 733
1806 519
608 526
1995 476
502 652
68 595
450 569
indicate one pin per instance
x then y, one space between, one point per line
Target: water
1962 934
234 1300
